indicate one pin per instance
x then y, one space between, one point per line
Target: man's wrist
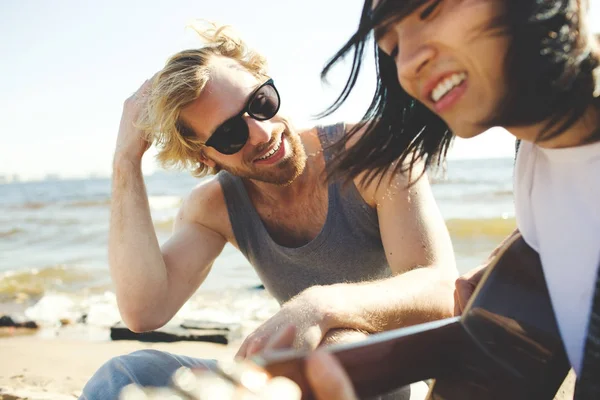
346 307
328 303
340 335
126 165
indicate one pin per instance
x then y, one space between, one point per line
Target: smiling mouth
273 151
446 85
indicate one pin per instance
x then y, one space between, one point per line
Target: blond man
368 257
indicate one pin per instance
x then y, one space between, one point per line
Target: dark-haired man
460 67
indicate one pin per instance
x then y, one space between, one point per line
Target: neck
580 133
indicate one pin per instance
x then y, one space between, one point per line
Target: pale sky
68 65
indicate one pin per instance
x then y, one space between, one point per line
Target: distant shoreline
10 178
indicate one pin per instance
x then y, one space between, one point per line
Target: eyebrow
184 129
381 29
246 101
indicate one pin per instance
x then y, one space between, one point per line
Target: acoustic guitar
506 345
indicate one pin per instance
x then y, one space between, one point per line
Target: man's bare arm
151 285
420 254
419 251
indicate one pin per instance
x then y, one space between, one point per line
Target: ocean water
53 243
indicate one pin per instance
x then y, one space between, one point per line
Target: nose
415 52
259 132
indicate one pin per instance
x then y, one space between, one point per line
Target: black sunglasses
231 136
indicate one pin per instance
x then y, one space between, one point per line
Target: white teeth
273 151
447 85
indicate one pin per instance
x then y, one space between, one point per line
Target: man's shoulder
306 133
391 182
356 129
327 134
204 202
320 129
390 178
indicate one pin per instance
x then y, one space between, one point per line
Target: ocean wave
243 306
31 205
84 203
475 181
164 202
11 232
47 221
156 203
484 195
24 284
490 227
97 310
89 203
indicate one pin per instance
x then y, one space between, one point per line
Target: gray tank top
348 248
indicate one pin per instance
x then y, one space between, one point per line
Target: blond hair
181 82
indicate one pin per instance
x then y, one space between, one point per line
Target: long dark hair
549 68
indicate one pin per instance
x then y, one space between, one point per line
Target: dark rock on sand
6 396
82 319
7 321
200 331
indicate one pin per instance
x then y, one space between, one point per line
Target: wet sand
57 369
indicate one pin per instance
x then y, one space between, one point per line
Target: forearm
339 336
136 263
416 296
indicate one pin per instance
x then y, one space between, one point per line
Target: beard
281 174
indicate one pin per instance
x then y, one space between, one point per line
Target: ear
206 161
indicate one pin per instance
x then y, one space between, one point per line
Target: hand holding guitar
309 312
465 285
324 373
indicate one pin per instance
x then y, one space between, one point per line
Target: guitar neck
385 361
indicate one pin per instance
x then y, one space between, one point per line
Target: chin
294 166
289 171
467 132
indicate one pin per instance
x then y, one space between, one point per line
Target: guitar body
515 350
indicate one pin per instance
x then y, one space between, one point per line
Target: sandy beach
57 369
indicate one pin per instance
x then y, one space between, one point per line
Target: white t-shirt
557 201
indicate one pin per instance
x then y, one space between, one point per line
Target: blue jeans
143 367
155 368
